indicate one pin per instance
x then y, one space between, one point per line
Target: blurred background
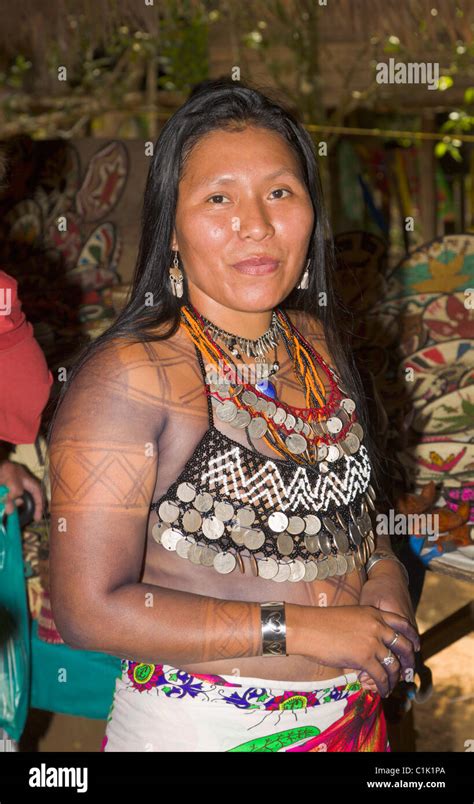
386 90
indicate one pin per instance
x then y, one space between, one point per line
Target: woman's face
232 206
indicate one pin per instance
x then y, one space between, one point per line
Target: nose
254 220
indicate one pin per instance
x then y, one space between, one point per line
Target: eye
218 195
282 190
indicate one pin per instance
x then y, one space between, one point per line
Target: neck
242 323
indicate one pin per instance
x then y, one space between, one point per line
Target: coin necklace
301 437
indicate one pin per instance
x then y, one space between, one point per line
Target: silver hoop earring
305 278
176 277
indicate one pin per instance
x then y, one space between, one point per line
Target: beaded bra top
294 522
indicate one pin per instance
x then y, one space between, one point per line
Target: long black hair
227 104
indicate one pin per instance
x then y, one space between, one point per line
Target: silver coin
312 543
370 501
170 537
168 511
271 409
363 506
352 442
367 520
350 562
242 419
212 527
340 520
296 443
224 562
203 502
257 427
341 565
192 520
280 416
299 425
208 554
363 527
357 430
267 568
311 571
355 533
237 535
158 530
285 544
348 404
249 398
359 563
322 452
333 453
186 492
334 424
329 525
278 521
223 511
325 543
297 570
371 540
371 491
323 569
290 421
318 428
313 524
283 572
332 565
324 467
344 447
296 525
195 553
245 516
253 538
341 541
261 405
353 516
183 547
227 411
307 430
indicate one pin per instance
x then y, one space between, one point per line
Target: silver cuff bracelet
273 629
380 555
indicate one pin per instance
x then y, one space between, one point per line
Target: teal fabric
14 626
71 681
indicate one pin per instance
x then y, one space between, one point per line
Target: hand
386 589
357 636
19 479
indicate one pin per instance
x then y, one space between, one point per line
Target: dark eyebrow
219 179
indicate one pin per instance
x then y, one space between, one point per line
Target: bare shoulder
313 330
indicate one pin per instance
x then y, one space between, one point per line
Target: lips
263 264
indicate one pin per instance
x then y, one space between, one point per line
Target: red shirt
25 379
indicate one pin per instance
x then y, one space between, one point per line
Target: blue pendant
266 387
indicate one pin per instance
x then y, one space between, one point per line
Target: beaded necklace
285 428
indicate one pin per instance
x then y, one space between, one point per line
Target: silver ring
393 640
388 659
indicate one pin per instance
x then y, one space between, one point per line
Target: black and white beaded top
294 522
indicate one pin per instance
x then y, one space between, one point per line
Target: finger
403 649
393 669
378 673
401 624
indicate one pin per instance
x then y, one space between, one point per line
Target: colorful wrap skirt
157 707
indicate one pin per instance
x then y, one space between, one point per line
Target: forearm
148 623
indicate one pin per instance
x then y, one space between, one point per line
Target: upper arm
102 469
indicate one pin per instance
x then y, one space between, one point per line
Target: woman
217 541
